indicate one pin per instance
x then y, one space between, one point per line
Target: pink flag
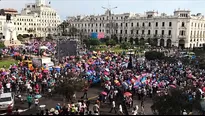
101 35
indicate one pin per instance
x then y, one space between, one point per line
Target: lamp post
109 17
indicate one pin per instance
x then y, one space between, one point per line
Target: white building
38 17
180 29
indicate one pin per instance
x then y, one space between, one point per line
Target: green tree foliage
2 45
111 42
20 37
69 85
63 26
93 42
73 31
174 102
153 55
125 45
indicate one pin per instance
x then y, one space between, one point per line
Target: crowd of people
120 81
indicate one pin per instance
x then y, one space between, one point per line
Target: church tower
40 2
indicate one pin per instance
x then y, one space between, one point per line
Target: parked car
6 101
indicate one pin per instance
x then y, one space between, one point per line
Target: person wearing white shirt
113 107
96 108
120 110
135 111
8 87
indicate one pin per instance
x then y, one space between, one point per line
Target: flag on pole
49 2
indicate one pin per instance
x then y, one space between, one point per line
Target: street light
109 9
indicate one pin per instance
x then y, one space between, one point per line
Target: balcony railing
169 36
182 36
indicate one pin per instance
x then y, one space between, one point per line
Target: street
92 95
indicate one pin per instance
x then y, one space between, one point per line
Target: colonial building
182 29
37 19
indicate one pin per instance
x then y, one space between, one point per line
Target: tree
69 85
125 45
2 45
111 42
31 31
73 31
20 37
154 55
112 27
174 102
93 42
63 28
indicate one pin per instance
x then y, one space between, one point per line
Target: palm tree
63 27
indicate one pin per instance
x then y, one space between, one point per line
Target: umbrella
203 89
45 71
57 67
38 96
127 94
14 67
104 93
43 47
172 86
107 70
116 81
107 79
106 73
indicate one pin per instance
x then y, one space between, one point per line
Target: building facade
36 19
180 29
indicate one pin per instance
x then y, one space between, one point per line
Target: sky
87 7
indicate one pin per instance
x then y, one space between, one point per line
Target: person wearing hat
56 112
52 110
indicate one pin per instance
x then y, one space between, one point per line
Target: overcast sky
86 7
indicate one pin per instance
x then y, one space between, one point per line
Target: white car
6 101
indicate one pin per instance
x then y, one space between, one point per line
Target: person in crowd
113 107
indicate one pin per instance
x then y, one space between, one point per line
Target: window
170 32
170 24
126 24
149 24
116 31
143 24
120 31
137 32
182 24
192 24
162 32
121 24
195 24
125 31
132 24
142 32
156 24
156 32
131 31
137 24
163 24
96 24
148 32
96 30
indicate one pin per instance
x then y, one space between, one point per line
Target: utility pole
109 9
